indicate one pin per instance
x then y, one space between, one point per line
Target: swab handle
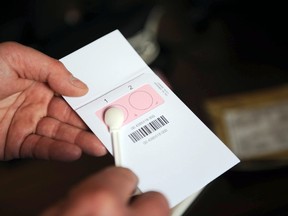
115 146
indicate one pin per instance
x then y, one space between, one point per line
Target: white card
161 140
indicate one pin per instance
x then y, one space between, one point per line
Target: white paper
179 155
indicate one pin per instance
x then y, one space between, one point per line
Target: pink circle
140 100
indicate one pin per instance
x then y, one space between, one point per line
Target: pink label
135 104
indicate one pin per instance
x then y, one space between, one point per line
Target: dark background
209 48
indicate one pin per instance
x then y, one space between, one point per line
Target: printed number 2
130 87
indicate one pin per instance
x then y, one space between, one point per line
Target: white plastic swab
114 118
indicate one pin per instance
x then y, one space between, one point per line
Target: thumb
31 64
63 82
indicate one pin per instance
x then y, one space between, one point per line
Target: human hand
109 193
34 120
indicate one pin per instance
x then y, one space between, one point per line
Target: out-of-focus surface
206 49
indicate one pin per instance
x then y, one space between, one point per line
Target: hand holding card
176 155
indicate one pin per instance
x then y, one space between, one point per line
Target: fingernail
78 83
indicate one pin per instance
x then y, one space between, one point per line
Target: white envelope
162 141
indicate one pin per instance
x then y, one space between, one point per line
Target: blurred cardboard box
254 125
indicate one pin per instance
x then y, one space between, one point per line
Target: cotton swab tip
114 118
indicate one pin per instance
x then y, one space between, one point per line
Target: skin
35 122
95 197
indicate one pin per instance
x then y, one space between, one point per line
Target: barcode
148 129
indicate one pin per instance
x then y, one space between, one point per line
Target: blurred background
226 60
